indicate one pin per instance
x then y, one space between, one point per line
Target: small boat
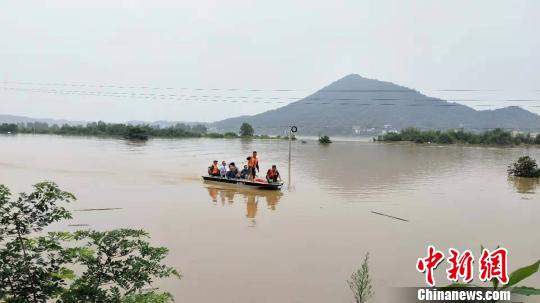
245 183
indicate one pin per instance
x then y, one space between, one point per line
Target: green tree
119 264
115 266
31 268
325 140
246 130
524 167
136 133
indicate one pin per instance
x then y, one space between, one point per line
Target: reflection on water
229 194
524 185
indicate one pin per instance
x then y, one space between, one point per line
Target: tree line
491 137
128 131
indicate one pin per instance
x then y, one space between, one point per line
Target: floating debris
389 216
98 209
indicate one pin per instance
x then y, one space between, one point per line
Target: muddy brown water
300 244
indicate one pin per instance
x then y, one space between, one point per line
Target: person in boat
233 171
223 169
272 175
213 170
244 172
253 165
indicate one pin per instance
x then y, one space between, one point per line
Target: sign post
292 129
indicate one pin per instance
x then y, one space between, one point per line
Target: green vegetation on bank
492 137
127 131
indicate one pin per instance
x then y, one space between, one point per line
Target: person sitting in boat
244 172
233 171
213 170
272 175
253 165
223 169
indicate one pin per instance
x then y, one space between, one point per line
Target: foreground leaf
522 273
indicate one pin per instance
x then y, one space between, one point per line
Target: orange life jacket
272 174
253 162
215 169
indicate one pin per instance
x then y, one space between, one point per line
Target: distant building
358 130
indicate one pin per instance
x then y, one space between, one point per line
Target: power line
152 87
263 99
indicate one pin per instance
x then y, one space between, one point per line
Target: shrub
136 133
524 167
214 135
230 135
445 138
392 136
325 140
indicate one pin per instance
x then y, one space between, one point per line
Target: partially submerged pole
292 129
290 147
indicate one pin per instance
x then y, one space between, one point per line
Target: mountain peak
358 105
352 77
357 82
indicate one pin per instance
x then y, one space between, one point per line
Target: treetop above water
491 137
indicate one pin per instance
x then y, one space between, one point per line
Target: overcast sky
137 46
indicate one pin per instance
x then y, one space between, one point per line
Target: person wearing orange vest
213 170
272 175
253 165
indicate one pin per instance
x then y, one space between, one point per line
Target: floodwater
301 244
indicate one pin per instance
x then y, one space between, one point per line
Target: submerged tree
246 130
114 266
360 283
139 133
524 167
325 140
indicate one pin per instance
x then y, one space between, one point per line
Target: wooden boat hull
245 183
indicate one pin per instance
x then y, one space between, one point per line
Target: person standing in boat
253 165
213 170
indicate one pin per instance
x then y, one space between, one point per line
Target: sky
188 60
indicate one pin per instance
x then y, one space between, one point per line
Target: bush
136 133
445 138
10 128
492 137
214 135
524 167
392 136
230 135
325 140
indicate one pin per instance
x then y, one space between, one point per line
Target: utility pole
292 129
